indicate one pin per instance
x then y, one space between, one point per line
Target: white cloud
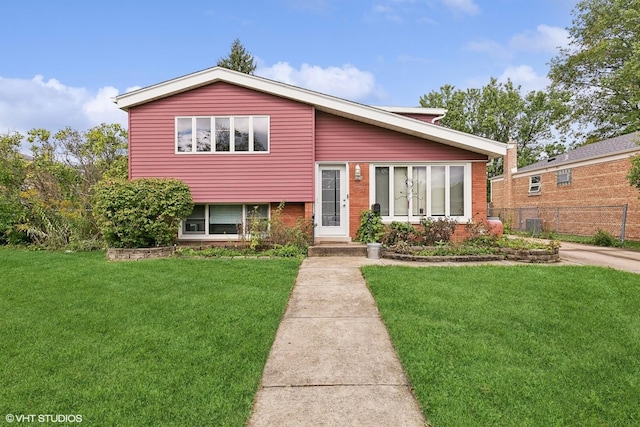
468 7
545 39
38 103
386 12
345 82
526 77
490 47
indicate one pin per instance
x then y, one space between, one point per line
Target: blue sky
63 61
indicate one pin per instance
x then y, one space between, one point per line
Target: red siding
340 139
286 173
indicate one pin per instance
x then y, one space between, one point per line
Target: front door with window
332 202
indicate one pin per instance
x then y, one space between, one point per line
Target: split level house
577 192
245 143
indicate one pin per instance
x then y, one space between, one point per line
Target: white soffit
337 106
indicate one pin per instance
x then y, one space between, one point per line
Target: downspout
436 119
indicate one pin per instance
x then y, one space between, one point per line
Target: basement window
563 177
534 185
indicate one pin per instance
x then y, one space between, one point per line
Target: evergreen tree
239 59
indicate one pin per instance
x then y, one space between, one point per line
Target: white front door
332 202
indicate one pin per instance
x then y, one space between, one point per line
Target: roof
618 145
330 104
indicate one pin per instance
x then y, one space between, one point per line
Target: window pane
203 134
222 134
257 219
400 190
382 189
456 190
184 135
260 134
437 190
419 190
225 219
194 224
241 133
331 198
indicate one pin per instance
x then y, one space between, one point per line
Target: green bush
604 238
438 230
398 232
280 234
141 213
371 228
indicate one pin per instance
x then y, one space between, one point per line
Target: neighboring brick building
561 188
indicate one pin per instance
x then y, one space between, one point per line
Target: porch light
358 173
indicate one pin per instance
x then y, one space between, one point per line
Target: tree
498 111
601 67
12 175
60 178
239 59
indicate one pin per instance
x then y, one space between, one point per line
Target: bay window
411 192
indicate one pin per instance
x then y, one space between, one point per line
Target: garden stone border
120 254
522 255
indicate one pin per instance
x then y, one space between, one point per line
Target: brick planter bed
117 254
522 255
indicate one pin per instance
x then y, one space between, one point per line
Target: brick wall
358 196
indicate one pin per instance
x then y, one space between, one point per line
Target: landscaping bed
521 254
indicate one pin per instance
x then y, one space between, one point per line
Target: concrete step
337 249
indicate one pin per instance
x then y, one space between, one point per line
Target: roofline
322 102
609 157
413 110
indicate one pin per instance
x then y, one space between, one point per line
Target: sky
63 61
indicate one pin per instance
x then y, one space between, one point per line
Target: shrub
604 238
479 233
280 234
141 213
371 228
398 232
439 230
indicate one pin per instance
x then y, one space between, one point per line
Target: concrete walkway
617 258
332 362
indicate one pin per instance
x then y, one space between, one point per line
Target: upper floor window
226 134
410 192
534 184
563 177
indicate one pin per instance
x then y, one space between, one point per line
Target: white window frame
468 189
566 173
246 209
232 149
535 187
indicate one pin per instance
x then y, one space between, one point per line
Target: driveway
617 258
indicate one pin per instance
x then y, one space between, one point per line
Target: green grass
525 345
158 342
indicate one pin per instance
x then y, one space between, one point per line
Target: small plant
283 235
371 228
399 232
479 232
604 238
441 229
257 228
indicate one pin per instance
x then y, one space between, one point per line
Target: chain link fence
576 220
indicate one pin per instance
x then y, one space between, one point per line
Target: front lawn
524 345
158 342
